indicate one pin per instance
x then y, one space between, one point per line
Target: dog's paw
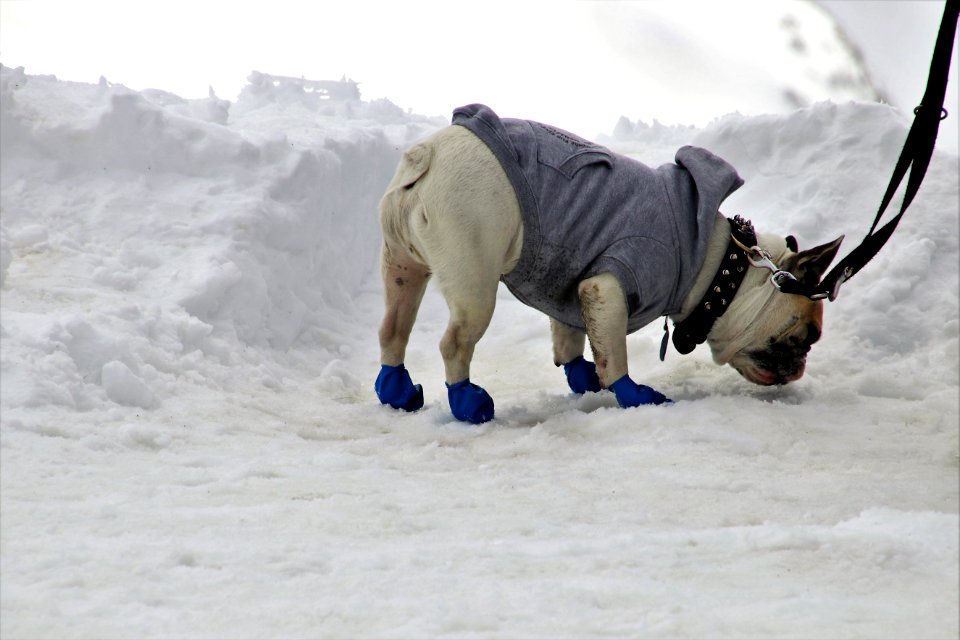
582 375
469 402
395 388
631 394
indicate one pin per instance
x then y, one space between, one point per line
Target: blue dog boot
631 394
582 375
470 403
395 388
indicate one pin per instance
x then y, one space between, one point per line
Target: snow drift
191 232
192 447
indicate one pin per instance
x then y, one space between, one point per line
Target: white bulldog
452 212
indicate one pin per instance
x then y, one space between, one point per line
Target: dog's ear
809 265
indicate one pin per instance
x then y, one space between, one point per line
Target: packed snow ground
191 445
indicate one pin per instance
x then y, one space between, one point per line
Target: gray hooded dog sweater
587 211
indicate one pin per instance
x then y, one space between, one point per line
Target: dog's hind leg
404 282
468 227
467 248
568 344
471 299
604 310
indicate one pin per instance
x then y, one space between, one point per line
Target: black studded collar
693 330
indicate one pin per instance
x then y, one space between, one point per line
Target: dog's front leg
568 343
604 309
568 346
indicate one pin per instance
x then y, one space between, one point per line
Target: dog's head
766 334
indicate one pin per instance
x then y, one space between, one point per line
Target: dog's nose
795 373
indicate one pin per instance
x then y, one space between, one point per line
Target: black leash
742 249
916 154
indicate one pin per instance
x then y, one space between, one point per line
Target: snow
191 445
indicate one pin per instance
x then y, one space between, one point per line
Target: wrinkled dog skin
451 213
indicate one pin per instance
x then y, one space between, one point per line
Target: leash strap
916 154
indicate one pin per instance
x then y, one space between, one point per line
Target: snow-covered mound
168 236
191 445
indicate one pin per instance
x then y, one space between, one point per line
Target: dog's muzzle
782 361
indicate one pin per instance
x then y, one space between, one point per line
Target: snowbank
172 236
191 445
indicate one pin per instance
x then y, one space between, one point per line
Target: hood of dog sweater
587 210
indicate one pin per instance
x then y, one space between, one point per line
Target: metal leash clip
780 279
760 258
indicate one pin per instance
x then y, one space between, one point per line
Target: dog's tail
401 198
